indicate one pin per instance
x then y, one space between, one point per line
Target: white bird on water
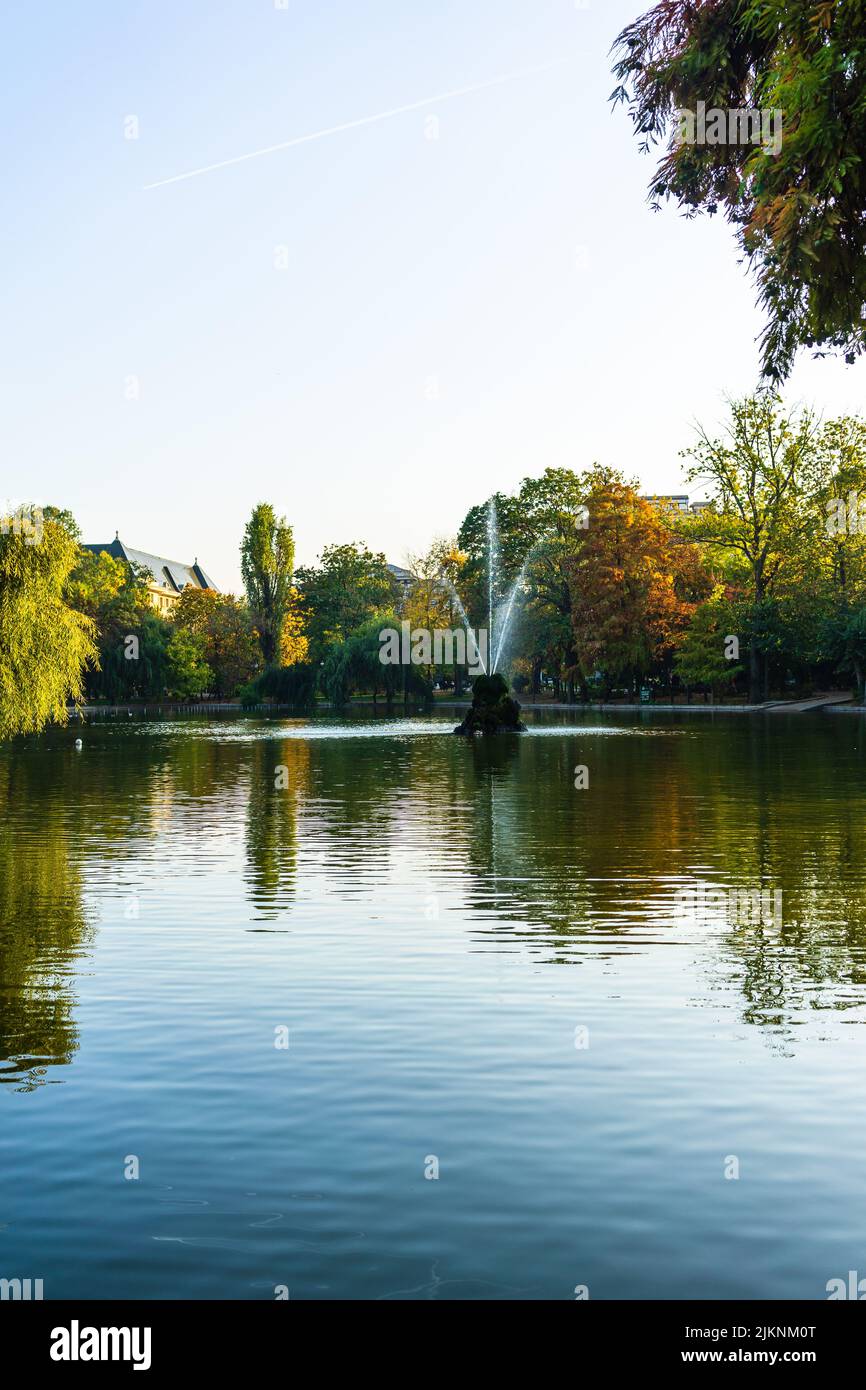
79 744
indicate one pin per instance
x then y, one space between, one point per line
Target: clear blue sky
511 265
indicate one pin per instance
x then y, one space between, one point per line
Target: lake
350 1008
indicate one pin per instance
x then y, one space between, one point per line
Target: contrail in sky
354 125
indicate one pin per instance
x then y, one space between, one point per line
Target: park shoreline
829 704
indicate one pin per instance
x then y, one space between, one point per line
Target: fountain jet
493 709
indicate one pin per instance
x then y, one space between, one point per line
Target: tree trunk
754 672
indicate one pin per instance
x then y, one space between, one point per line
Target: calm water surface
540 987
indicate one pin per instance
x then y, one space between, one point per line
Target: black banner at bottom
159 1339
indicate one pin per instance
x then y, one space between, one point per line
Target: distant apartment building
403 578
166 579
677 501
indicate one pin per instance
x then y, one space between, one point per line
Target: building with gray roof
167 578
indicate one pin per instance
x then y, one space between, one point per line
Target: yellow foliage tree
294 643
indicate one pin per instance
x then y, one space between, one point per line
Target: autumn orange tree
222 626
634 586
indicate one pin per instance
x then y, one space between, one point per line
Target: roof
402 576
170 574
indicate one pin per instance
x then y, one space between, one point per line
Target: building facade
676 501
166 579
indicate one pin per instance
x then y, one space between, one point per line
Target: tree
229 641
451 561
700 657
188 672
45 644
131 637
267 562
821 589
765 478
350 583
294 686
433 602
845 638
799 206
97 579
840 544
491 532
536 532
294 642
65 519
354 664
539 644
555 519
133 670
634 585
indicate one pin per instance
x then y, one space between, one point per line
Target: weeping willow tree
45 645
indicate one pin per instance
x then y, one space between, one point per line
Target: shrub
294 686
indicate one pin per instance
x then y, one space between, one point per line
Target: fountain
493 710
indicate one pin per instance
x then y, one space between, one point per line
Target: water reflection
44 929
278 778
401 813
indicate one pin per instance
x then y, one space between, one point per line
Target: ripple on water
469 960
